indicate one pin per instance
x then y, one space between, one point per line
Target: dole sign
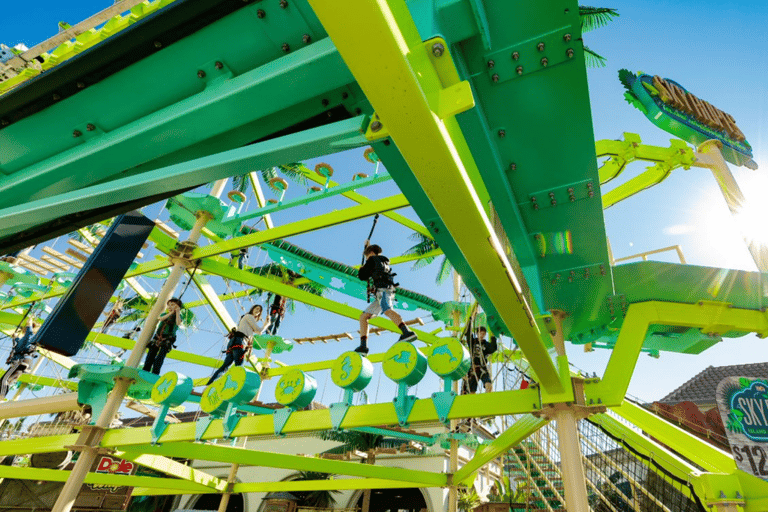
674 109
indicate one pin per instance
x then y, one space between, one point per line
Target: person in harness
240 340
480 349
376 270
165 337
20 358
276 314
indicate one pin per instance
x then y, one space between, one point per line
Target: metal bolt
544 62
80 85
218 65
491 64
502 133
200 73
569 53
519 70
540 47
77 133
495 77
344 95
158 44
438 49
306 38
567 37
56 97
325 102
90 127
513 166
515 55
286 47
4 122
283 4
547 319
358 111
261 13
376 126
387 143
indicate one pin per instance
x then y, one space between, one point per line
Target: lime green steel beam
464 406
213 300
326 485
37 444
304 226
522 428
710 317
434 147
187 357
57 475
689 446
361 199
245 457
175 469
40 380
264 283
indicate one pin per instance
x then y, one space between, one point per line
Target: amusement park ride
459 101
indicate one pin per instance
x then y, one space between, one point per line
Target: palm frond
296 172
241 183
423 246
351 440
596 17
267 174
593 59
445 271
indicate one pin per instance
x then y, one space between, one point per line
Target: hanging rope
189 281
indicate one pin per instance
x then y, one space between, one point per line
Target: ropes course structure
448 107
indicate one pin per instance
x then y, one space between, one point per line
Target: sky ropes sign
743 405
676 110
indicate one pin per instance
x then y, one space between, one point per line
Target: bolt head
158 44
438 49
4 122
519 70
306 38
80 85
544 61
77 133
540 47
261 13
515 55
286 47
502 133
283 4
90 127
219 65
513 166
495 77
56 97
376 126
200 73
569 53
491 64
567 37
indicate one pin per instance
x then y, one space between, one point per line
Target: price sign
743 406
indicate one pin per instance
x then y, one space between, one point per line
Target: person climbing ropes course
20 358
165 336
240 339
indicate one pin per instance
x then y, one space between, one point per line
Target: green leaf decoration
744 382
595 17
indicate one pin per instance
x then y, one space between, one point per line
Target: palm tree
359 441
423 246
317 499
592 18
289 277
468 499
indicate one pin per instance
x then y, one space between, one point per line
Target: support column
91 437
453 459
571 466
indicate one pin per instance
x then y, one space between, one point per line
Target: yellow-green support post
91 436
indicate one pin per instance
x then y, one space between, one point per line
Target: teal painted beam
106 151
298 146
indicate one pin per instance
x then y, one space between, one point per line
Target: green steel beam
304 226
37 444
298 146
58 475
522 428
40 380
689 446
214 302
246 457
464 406
174 469
265 283
710 317
420 116
326 485
361 199
178 355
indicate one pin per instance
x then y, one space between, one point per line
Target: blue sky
716 50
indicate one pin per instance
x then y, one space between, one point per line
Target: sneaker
362 350
408 336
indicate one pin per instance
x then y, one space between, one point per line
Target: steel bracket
339 410
280 418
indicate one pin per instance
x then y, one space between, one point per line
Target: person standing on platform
165 337
240 340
